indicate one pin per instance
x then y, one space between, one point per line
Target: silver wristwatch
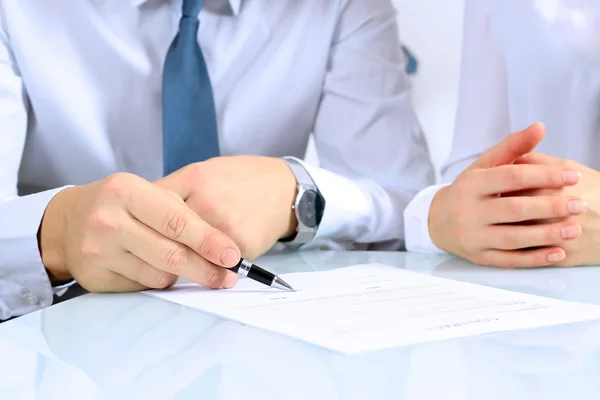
309 205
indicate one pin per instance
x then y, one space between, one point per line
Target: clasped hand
517 208
124 233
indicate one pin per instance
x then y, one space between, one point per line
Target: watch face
310 209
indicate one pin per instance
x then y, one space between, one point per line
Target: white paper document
371 307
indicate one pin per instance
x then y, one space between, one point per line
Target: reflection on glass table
134 346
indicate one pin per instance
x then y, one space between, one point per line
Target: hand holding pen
247 269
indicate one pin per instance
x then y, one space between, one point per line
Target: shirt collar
234 5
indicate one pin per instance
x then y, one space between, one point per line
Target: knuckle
208 207
509 241
90 249
175 224
198 174
462 179
176 258
463 191
118 186
102 221
466 182
515 177
516 207
460 211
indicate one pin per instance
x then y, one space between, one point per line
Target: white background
432 29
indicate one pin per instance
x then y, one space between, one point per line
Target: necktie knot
191 8
188 27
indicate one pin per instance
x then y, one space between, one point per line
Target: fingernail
570 231
230 257
230 280
576 206
556 256
570 177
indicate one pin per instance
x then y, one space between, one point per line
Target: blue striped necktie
189 119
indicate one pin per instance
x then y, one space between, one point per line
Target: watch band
304 234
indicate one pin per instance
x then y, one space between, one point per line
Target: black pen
256 273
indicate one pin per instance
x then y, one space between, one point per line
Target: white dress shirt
523 61
80 99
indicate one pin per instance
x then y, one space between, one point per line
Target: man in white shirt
85 191
522 62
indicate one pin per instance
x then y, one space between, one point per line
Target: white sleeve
24 283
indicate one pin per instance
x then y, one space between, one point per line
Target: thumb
514 146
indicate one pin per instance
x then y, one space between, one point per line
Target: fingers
175 221
502 210
522 258
513 147
175 258
515 237
513 178
112 282
138 270
539 158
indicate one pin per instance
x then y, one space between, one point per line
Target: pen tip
281 284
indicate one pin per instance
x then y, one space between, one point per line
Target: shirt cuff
61 289
347 208
25 286
416 222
